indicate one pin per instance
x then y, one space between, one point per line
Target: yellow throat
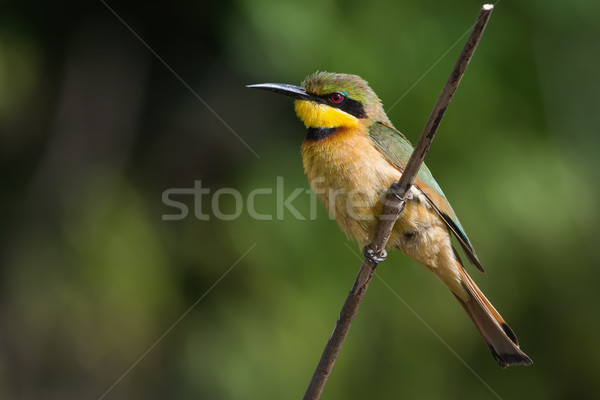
315 115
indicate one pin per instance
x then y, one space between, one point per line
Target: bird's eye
336 97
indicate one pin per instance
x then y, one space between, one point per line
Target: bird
352 154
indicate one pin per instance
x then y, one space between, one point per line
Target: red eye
336 97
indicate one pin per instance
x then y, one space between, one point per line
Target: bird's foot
394 191
375 256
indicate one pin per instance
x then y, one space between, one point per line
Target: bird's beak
289 90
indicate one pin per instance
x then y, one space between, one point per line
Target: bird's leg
394 191
373 255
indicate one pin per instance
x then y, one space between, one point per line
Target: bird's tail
501 340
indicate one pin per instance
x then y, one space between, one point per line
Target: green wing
394 146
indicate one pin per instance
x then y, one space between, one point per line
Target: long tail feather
501 340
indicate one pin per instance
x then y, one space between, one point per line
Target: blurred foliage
93 129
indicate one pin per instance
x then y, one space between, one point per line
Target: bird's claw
394 192
375 256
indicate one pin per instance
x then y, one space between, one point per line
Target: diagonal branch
393 208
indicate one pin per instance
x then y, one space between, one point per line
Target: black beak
289 90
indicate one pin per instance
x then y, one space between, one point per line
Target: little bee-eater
352 154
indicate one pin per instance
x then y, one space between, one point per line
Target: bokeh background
95 285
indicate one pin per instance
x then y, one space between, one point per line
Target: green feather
397 149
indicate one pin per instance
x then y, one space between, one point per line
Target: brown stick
393 208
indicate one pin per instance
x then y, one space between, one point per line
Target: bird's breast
349 175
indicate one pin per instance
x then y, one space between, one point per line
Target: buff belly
353 193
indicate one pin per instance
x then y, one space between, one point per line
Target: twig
394 206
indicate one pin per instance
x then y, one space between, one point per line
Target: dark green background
93 129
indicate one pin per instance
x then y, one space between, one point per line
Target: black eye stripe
353 107
348 105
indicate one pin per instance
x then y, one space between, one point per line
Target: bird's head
330 100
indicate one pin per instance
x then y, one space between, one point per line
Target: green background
93 129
